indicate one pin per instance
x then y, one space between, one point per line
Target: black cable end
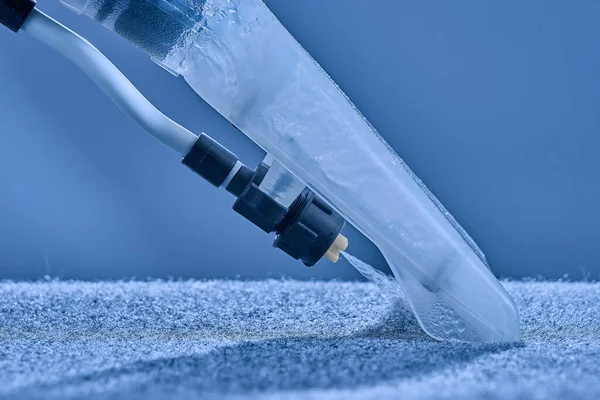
14 13
210 160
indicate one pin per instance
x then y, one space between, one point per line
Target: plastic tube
110 80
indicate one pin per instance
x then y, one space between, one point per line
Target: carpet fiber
282 339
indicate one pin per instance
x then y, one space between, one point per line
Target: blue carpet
282 339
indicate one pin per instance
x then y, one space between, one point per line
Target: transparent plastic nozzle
238 57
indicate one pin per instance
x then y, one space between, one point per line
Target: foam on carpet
282 339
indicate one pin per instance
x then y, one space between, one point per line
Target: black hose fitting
305 230
309 229
209 159
14 13
260 209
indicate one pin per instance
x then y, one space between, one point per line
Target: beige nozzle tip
340 244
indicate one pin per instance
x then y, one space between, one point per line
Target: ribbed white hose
108 77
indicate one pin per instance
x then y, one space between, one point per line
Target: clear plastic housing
241 60
281 185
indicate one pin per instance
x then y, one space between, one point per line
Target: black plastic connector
240 181
309 228
14 13
305 230
254 205
210 160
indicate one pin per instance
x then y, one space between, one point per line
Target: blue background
495 105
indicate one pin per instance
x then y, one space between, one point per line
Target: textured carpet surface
282 339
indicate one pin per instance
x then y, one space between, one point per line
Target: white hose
108 77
